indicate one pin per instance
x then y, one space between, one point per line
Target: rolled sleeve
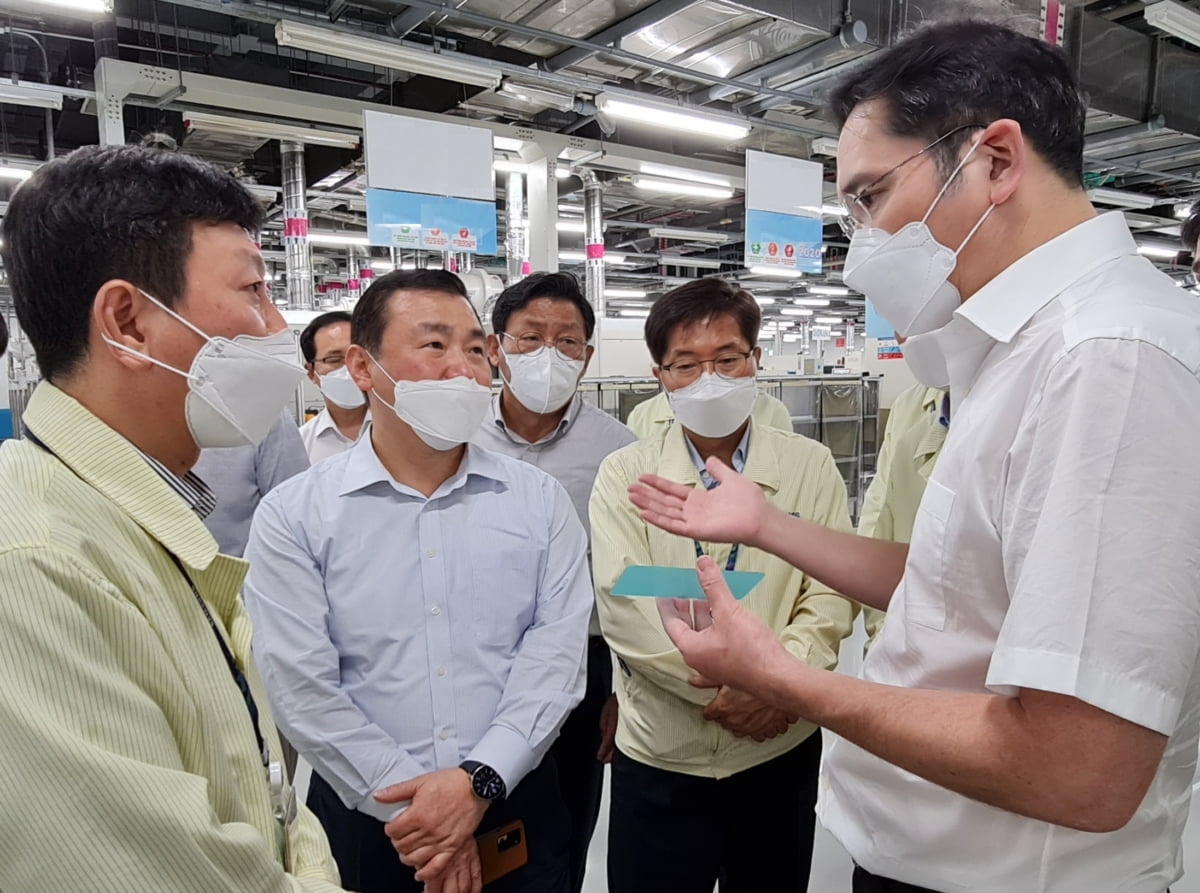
1099 533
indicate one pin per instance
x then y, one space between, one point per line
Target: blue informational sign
788 241
430 222
877 326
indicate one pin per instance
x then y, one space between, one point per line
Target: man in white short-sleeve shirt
1028 718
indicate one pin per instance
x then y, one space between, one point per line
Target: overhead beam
614 34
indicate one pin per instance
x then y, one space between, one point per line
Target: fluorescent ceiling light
571 226
88 6
456 67
562 172
538 96
8 172
671 117
811 302
690 235
639 314
623 293
504 166
697 263
382 266
763 302
270 130
827 320
678 187
1182 210
795 311
35 97
776 272
1122 198
322 238
682 173
1176 19
835 290
508 144
1163 252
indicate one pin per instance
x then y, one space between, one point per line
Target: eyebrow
441 328
861 182
724 348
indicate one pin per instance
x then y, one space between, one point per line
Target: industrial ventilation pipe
297 252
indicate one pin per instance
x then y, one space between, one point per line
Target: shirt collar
1002 307
197 494
363 469
110 463
739 458
932 399
325 422
573 410
676 462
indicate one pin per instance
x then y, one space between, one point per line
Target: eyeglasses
855 207
333 361
532 344
727 365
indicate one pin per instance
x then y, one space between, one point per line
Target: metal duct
593 237
514 236
298 253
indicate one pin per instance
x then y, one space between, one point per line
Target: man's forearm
986 747
863 569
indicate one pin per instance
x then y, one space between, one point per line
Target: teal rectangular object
644 581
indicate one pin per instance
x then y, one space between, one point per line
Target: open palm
729 513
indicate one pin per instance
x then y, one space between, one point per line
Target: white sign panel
784 185
430 157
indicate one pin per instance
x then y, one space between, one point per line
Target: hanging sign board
783 212
430 222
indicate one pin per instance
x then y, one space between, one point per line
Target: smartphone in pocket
502 851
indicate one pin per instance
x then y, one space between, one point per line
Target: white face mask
544 381
339 389
906 275
444 413
712 406
926 361
236 388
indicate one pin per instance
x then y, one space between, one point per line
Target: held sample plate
643 581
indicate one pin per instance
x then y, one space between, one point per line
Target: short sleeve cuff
507 752
1066 674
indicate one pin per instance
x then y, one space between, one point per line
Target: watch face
487 783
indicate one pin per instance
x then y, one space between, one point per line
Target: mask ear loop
957 170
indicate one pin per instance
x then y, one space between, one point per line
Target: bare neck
348 421
721 447
411 461
150 419
529 425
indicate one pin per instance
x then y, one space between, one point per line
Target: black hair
3 336
308 338
555 286
1190 232
371 315
953 74
696 302
99 214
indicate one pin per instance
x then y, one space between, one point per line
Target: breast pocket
506 589
928 561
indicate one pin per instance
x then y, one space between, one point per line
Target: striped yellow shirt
661 716
127 758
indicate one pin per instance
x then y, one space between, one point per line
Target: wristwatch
485 781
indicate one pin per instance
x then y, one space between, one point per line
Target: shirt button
436 611
444 735
441 671
430 554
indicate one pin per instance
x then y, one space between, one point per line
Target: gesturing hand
442 817
733 512
721 640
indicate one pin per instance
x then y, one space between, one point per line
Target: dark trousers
369 864
865 882
751 832
580 774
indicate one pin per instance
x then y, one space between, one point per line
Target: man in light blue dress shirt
421 614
